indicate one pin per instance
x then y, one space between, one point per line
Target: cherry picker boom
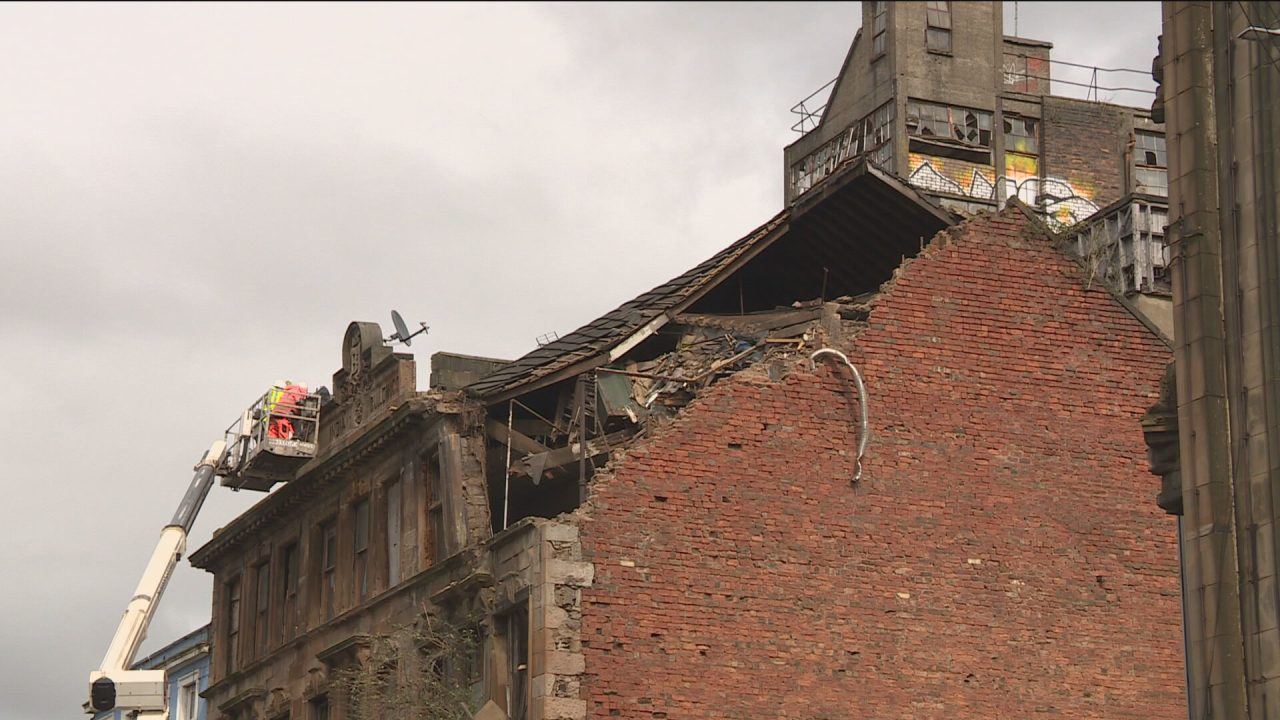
272 438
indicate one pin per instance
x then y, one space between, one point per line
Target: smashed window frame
1150 163
949 130
872 136
1021 134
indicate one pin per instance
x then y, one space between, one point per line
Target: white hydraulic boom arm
142 692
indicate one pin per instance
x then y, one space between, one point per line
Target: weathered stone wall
545 568
1001 556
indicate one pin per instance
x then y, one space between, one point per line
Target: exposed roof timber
527 374
857 223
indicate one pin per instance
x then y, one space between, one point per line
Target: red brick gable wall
1003 556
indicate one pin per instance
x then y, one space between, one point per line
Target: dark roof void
844 237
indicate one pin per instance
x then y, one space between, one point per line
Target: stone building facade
1216 434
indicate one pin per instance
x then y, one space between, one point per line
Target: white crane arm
114 682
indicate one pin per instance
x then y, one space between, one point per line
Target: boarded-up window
434 499
233 624
879 32
328 568
289 591
360 515
393 532
938 30
261 618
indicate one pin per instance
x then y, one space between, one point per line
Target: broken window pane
1149 149
1020 135
962 125
869 136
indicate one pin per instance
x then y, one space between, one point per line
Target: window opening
261 621
938 30
944 122
516 625
328 568
393 532
435 510
319 708
870 135
289 591
188 696
1150 159
233 624
1020 134
361 515
879 24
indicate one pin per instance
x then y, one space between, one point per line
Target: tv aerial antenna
402 333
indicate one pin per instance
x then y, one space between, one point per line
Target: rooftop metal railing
810 117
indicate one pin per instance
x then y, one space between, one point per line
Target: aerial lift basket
274 437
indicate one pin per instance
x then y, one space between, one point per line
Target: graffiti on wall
1025 73
951 176
1021 176
1063 202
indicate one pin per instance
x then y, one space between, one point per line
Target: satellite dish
402 333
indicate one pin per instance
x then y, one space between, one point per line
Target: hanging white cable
862 405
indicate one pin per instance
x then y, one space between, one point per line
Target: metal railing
810 117
1092 88
285 419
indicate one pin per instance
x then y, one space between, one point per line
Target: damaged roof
851 231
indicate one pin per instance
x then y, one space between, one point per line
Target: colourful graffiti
951 176
1021 176
1063 203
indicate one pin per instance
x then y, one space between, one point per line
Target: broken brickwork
655 515
999 557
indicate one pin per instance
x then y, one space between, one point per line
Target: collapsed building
670 512
879 457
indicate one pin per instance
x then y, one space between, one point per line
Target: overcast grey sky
196 199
